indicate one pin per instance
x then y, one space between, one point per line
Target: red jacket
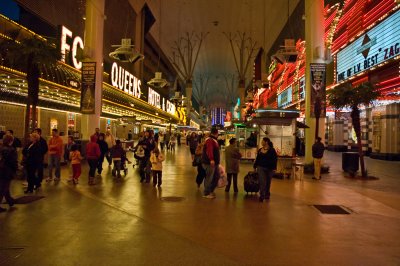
92 149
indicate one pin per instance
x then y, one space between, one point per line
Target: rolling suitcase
251 182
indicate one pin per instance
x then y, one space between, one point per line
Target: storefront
366 48
124 96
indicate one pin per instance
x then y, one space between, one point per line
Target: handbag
222 180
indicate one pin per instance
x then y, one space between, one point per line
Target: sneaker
57 179
70 179
76 181
209 196
49 179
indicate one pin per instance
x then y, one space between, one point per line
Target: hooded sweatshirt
92 149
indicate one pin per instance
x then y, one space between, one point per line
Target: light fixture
158 82
126 52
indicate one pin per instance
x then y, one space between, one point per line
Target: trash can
350 161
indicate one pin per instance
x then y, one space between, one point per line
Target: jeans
148 170
117 168
157 177
317 167
100 163
230 176
54 162
211 179
92 166
108 157
265 176
5 191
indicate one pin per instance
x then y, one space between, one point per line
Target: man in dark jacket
317 152
43 148
8 167
210 161
148 144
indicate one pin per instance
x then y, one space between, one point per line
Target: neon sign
158 101
376 46
125 81
66 47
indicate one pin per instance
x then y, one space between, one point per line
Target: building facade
127 101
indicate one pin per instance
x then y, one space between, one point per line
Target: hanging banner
88 102
318 90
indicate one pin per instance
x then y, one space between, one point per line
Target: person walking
265 164
76 158
117 153
193 142
201 173
32 153
147 143
43 150
67 150
210 162
317 152
156 160
167 138
110 140
172 143
8 168
161 140
178 137
232 160
55 152
103 151
92 156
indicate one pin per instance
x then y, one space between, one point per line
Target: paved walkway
128 223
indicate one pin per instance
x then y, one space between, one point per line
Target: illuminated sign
66 36
376 46
125 81
158 101
285 98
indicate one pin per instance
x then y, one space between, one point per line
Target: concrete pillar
94 27
314 12
139 42
188 89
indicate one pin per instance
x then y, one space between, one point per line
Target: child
156 159
117 154
75 157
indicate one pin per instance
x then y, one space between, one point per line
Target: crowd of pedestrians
149 154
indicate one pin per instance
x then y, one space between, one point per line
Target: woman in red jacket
92 156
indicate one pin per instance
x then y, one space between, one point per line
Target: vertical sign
318 90
88 102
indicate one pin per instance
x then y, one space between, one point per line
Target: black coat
103 146
267 160
10 160
33 154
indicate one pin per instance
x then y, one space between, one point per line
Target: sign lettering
376 46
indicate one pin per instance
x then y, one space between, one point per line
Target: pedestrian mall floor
129 223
